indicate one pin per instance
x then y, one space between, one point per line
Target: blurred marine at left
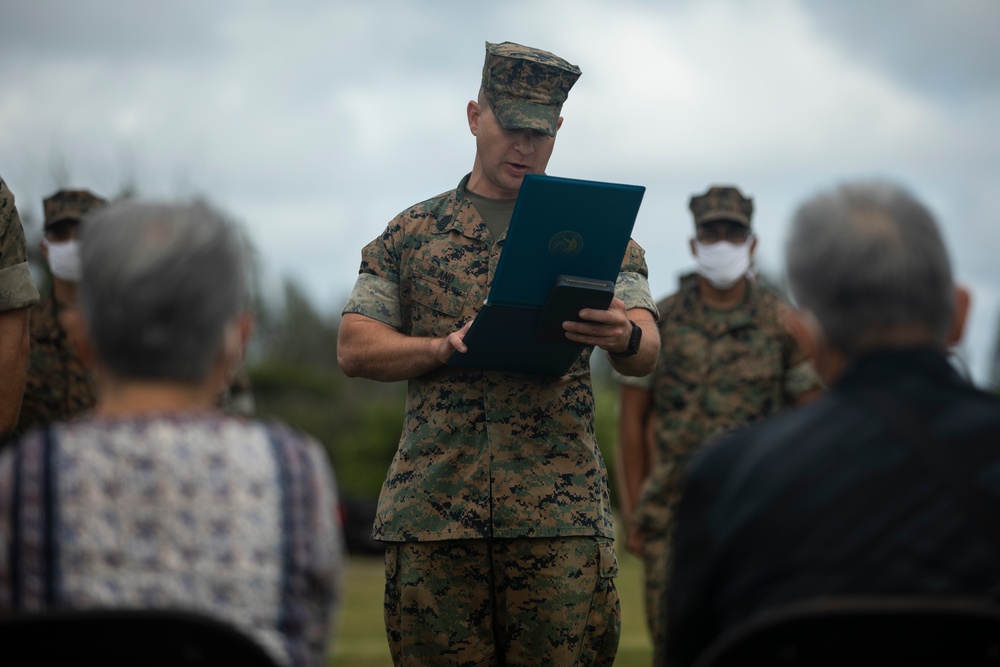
17 295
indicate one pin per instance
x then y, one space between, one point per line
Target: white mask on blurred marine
723 263
64 259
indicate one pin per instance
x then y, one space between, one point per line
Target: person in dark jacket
889 484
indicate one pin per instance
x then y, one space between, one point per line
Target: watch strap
633 343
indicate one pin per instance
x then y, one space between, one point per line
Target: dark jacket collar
878 366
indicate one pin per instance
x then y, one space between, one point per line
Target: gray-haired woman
157 499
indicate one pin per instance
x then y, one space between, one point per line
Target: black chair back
126 637
865 631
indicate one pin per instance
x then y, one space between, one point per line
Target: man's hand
611 329
635 540
374 350
454 341
607 329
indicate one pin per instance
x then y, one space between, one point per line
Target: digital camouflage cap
722 202
526 87
70 205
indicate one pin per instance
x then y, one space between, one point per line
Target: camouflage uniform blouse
58 385
717 370
482 453
17 289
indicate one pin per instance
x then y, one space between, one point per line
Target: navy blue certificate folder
561 227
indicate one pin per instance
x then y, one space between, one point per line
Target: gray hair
867 258
160 282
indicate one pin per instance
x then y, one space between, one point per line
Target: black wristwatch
633 343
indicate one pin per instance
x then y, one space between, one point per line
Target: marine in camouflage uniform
58 386
496 505
718 369
17 295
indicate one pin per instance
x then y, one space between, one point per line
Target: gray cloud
53 30
944 48
315 122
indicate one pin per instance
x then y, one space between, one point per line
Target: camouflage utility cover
526 87
58 385
715 374
722 202
17 288
70 205
482 453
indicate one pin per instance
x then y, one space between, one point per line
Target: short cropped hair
866 258
159 284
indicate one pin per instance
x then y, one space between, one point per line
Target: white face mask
722 264
64 260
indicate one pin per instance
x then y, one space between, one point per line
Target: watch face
635 338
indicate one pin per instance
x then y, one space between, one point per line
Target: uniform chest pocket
437 288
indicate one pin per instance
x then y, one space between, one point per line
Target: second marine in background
726 359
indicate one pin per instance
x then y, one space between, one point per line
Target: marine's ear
473 112
805 328
963 300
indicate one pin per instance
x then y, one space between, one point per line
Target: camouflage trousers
656 565
502 602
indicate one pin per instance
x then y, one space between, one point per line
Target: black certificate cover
567 297
560 227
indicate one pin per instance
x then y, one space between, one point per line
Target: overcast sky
314 123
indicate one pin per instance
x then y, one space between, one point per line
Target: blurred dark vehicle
357 517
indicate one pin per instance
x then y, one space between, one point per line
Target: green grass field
360 639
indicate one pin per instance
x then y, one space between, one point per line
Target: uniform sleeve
632 285
641 382
376 291
801 379
17 288
800 376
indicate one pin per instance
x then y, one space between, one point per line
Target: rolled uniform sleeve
376 298
801 379
800 375
17 288
376 291
632 285
644 382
